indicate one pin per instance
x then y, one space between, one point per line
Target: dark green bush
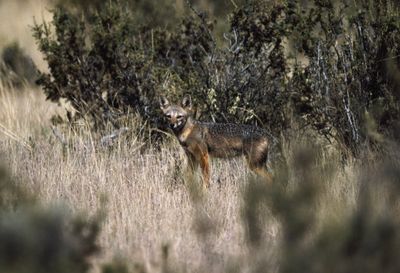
111 65
16 67
116 67
351 49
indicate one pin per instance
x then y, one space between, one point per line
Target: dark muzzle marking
176 127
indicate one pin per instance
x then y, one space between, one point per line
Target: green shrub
111 66
117 67
16 67
350 49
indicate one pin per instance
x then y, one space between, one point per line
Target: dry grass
148 204
146 207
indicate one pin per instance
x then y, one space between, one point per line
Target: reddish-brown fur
222 140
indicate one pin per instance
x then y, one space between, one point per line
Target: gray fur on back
234 130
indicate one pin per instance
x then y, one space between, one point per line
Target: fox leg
205 168
191 166
262 171
192 163
201 155
257 160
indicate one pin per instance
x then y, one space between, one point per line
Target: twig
15 137
234 4
163 132
202 18
109 139
58 135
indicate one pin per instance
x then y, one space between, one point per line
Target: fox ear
187 102
164 103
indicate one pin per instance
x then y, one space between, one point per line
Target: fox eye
179 116
168 115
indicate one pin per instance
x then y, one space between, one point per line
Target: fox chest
185 137
190 138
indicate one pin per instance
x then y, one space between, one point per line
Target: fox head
177 115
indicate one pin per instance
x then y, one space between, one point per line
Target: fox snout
176 124
176 115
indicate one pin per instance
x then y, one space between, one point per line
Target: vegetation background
93 182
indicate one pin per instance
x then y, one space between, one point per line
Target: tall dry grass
149 208
148 204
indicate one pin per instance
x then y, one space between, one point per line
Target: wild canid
200 140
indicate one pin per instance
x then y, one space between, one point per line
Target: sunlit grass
148 203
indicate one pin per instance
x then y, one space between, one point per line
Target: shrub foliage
16 67
322 65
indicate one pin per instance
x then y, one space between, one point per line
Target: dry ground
148 206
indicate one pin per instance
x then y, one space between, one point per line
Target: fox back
227 139
221 140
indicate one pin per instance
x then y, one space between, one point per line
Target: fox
202 140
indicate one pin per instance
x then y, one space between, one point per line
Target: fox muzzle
177 125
